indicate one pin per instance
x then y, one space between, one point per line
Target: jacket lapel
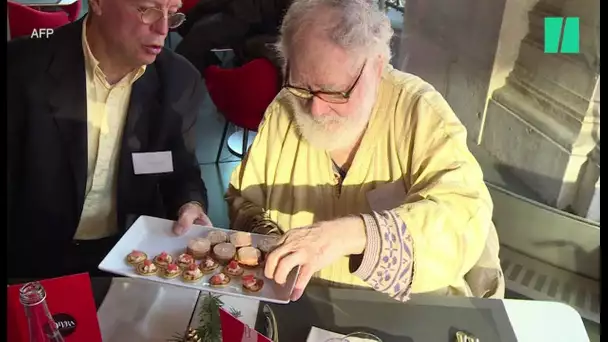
67 100
143 106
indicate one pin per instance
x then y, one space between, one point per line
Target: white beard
331 132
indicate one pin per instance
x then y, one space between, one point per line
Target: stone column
452 45
543 124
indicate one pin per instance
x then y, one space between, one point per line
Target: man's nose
161 26
318 107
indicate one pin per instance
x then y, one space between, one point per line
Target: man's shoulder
281 109
406 84
174 68
279 115
31 55
28 59
34 47
26 49
416 94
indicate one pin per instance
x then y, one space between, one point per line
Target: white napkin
137 310
320 335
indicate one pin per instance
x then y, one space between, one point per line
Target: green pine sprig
210 329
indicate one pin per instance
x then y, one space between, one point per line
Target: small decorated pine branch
210 328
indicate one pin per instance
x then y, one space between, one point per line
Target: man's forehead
158 3
321 57
323 75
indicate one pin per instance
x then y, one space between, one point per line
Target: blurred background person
249 27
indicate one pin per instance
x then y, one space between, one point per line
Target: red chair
242 95
73 10
23 20
187 5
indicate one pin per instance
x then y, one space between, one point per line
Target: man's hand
189 214
313 248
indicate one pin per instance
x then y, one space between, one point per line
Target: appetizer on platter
136 257
208 265
251 283
233 269
146 268
219 280
267 245
249 256
184 260
170 271
192 274
198 247
240 239
163 259
217 236
224 252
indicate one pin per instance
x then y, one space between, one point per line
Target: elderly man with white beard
362 170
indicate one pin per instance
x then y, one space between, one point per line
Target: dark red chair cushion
187 5
242 94
73 10
23 20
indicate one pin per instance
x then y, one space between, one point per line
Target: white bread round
224 251
217 236
240 239
249 256
198 247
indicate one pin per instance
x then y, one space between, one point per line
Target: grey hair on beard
357 26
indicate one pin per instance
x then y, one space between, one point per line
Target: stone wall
452 45
537 114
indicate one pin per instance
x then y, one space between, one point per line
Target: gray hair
357 26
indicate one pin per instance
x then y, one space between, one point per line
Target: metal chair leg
245 141
219 150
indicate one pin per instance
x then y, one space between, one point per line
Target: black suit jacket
47 140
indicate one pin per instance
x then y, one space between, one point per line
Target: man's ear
95 6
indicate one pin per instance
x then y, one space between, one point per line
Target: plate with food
205 258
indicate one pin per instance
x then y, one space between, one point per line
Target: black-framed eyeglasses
151 15
338 97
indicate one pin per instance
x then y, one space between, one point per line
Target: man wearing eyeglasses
363 171
101 129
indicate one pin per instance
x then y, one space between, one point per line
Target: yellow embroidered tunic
413 180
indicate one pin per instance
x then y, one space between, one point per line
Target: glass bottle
41 326
356 336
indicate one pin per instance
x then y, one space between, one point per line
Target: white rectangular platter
154 236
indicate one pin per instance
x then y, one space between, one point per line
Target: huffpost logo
562 35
